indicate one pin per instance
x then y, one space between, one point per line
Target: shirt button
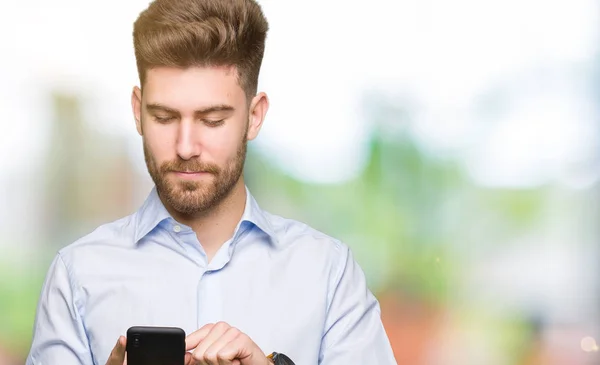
177 229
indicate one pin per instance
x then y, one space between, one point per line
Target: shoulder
291 232
101 243
305 242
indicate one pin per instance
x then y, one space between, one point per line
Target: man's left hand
221 344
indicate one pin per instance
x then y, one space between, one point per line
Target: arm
354 333
58 333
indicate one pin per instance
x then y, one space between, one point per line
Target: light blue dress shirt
290 288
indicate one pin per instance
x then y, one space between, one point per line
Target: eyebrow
210 109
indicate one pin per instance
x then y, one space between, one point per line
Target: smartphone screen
155 346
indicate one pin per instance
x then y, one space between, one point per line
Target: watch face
281 359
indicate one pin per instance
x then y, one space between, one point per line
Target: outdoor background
454 145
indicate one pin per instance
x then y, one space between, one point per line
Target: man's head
198 63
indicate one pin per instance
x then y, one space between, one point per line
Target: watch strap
280 359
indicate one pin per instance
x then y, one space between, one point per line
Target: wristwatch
280 359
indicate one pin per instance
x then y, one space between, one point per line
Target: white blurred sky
321 57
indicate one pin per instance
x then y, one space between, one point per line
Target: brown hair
186 33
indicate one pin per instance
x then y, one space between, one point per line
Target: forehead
193 87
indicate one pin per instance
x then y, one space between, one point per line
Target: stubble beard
195 197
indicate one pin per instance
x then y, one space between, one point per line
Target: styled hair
188 33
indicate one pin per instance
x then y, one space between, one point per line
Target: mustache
190 166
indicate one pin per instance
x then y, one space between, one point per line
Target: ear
258 110
136 106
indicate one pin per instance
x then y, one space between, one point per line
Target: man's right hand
117 355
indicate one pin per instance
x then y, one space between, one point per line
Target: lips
191 171
191 174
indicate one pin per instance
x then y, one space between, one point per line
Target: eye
163 119
213 123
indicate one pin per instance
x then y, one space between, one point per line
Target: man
200 254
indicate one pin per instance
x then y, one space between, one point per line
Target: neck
216 225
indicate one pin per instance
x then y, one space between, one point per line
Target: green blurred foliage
20 286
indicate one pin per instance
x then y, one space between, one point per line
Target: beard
196 197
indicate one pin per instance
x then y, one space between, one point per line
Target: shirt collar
150 214
258 217
153 212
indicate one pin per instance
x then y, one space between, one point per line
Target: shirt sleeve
354 333
58 333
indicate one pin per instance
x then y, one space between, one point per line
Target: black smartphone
155 346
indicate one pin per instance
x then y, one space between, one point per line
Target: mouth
191 174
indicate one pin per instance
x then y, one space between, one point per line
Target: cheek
222 146
160 144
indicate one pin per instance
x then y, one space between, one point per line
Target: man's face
194 123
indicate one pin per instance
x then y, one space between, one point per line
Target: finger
241 348
213 336
189 360
213 353
117 355
194 338
230 362
123 342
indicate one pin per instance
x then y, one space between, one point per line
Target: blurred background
454 145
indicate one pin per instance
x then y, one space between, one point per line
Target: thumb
117 355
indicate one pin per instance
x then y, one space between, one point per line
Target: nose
188 145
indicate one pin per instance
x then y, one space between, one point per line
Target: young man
200 254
